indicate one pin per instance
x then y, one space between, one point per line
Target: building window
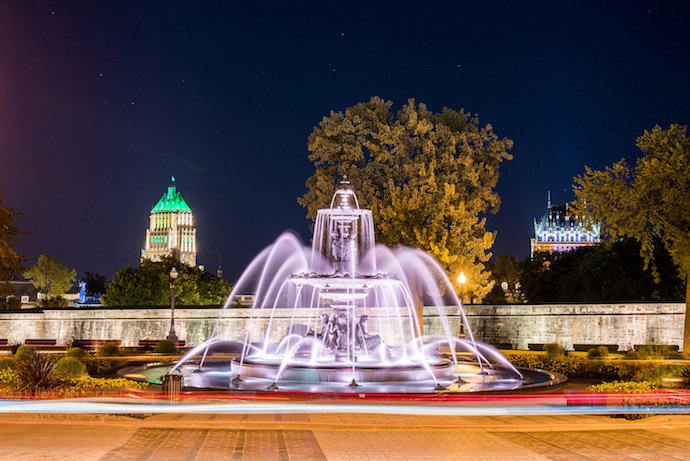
25 299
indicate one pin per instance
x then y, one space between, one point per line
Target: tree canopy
10 261
149 285
95 283
648 201
427 177
608 272
50 276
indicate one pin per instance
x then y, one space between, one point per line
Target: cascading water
345 312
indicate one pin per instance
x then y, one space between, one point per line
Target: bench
149 344
502 345
94 344
587 347
42 343
3 343
535 346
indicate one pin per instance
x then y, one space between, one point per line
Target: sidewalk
341 437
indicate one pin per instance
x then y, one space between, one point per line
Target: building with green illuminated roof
171 229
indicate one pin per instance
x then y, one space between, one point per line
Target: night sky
100 102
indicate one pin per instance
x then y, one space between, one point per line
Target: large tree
149 285
52 278
651 200
10 261
428 177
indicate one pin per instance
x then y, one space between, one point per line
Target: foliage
565 365
505 269
8 362
53 301
614 386
9 302
8 376
554 350
69 367
108 350
35 371
496 295
595 352
10 261
103 365
95 283
149 285
658 351
76 352
609 272
50 277
24 350
165 347
526 360
88 382
427 177
648 201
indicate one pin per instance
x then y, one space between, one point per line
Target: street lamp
173 275
462 278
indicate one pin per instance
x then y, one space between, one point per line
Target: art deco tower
171 231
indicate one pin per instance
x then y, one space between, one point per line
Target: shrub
103 365
69 367
624 386
8 376
554 350
76 352
8 362
570 366
165 347
87 382
35 372
24 350
108 350
601 351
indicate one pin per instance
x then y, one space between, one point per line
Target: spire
548 199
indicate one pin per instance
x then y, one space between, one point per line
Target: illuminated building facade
171 229
561 230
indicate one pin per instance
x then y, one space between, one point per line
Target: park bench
94 344
3 343
587 347
502 345
535 346
42 343
149 344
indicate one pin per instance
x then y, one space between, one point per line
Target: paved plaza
341 437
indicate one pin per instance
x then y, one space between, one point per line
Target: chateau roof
171 201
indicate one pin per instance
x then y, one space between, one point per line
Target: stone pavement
341 437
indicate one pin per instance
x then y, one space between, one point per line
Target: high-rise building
171 229
562 230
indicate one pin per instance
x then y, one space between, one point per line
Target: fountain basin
342 372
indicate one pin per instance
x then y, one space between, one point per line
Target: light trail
240 407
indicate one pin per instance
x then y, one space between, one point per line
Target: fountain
346 312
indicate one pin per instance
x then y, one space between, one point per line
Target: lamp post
462 278
173 275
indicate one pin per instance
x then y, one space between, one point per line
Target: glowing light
462 278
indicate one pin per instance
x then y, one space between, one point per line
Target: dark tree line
609 272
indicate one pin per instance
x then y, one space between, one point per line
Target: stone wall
624 324
566 324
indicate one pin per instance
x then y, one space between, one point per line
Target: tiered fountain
344 313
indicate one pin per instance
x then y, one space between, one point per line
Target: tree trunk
686 330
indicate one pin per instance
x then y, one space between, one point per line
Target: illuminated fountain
346 312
